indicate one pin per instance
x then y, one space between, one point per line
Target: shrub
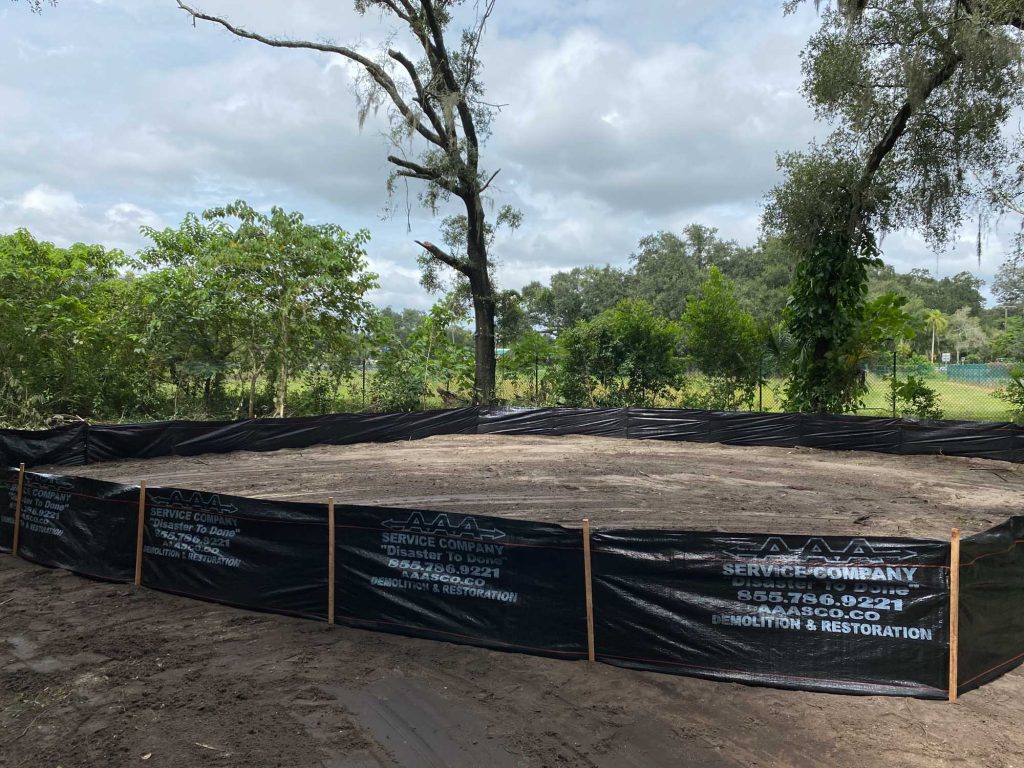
624 356
915 398
1013 393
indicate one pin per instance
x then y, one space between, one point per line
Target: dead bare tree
436 100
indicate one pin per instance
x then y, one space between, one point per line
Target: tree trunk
252 393
483 304
485 363
282 369
933 345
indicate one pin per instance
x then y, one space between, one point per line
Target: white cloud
58 216
622 119
49 202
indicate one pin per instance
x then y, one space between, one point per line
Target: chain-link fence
947 390
924 390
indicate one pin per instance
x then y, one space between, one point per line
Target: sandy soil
94 674
618 482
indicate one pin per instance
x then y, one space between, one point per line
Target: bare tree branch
422 97
465 114
477 37
444 257
411 166
378 73
403 15
413 170
488 182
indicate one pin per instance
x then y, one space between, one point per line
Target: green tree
404 322
529 360
624 356
668 267
722 341
1013 393
275 283
936 322
1009 344
1008 286
66 337
437 104
947 294
433 355
762 277
665 272
919 91
512 318
197 324
580 294
965 333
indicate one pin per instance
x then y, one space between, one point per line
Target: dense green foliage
666 269
434 354
527 368
69 340
199 323
1013 392
918 92
912 397
237 296
1009 344
722 342
252 295
624 356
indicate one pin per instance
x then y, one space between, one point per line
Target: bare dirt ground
95 674
614 482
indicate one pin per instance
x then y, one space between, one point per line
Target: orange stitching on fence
1006 551
459 538
766 674
580 654
701 560
992 669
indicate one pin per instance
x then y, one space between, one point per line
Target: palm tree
938 322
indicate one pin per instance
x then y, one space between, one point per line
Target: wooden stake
330 559
954 610
17 508
589 589
139 535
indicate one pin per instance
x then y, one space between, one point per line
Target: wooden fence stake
330 559
17 508
589 589
954 610
139 535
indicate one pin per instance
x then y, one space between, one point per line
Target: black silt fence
853 615
249 553
83 443
849 615
991 602
472 579
865 615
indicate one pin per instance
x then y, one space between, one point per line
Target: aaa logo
466 527
817 548
194 500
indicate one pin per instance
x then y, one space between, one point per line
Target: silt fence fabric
852 615
991 603
863 615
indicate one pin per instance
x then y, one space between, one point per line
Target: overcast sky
622 119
